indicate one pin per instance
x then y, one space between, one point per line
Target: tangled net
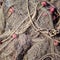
34 16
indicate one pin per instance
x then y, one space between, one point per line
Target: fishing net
26 31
